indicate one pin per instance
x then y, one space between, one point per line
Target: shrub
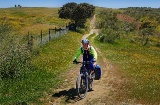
158 44
108 35
14 56
14 62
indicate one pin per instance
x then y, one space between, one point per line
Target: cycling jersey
87 54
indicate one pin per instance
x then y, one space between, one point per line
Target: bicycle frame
83 80
84 69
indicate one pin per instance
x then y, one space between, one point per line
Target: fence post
31 40
28 37
66 25
31 43
60 31
55 30
41 36
49 35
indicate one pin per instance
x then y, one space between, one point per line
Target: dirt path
103 91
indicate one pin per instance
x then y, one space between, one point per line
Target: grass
58 53
32 19
27 89
139 65
54 58
48 61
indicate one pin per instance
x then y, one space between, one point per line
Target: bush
82 31
108 35
158 44
14 63
14 56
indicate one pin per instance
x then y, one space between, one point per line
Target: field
34 77
140 66
138 63
54 59
32 19
39 72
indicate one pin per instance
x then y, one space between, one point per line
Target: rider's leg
92 67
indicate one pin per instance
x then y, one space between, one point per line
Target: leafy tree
77 13
66 11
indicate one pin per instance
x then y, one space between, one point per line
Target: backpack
98 72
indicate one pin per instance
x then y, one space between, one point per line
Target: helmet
85 41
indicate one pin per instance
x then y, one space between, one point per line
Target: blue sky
100 3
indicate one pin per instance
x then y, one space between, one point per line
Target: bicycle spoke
82 86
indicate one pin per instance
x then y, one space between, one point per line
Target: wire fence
52 34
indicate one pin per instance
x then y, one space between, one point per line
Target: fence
52 34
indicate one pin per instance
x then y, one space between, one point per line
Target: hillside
33 20
25 74
134 49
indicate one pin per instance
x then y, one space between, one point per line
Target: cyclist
89 54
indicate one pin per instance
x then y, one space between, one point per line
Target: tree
66 11
78 13
81 13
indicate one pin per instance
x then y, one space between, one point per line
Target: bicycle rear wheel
82 86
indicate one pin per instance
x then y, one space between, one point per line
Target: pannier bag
98 72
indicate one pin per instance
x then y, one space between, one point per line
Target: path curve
104 91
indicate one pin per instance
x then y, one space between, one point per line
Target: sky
100 3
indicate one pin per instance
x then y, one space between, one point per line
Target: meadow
139 65
32 19
54 58
27 76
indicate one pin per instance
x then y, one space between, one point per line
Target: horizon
101 3
95 6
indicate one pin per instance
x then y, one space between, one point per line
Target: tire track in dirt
102 87
103 91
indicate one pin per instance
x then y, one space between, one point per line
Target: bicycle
84 81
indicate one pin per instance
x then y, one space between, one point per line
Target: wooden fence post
60 31
55 30
66 25
41 36
49 35
31 44
28 38
32 41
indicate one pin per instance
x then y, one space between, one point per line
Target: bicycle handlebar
84 62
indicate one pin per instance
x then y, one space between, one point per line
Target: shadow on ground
70 95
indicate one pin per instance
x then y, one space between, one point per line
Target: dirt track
103 90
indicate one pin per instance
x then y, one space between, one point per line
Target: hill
34 20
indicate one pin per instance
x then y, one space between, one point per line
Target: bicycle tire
82 86
90 84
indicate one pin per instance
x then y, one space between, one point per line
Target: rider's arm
93 51
78 53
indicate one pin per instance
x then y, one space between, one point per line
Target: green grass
27 89
48 61
139 65
32 19
54 58
58 54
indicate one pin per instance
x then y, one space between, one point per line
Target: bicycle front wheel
82 86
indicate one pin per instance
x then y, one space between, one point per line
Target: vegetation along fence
52 34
